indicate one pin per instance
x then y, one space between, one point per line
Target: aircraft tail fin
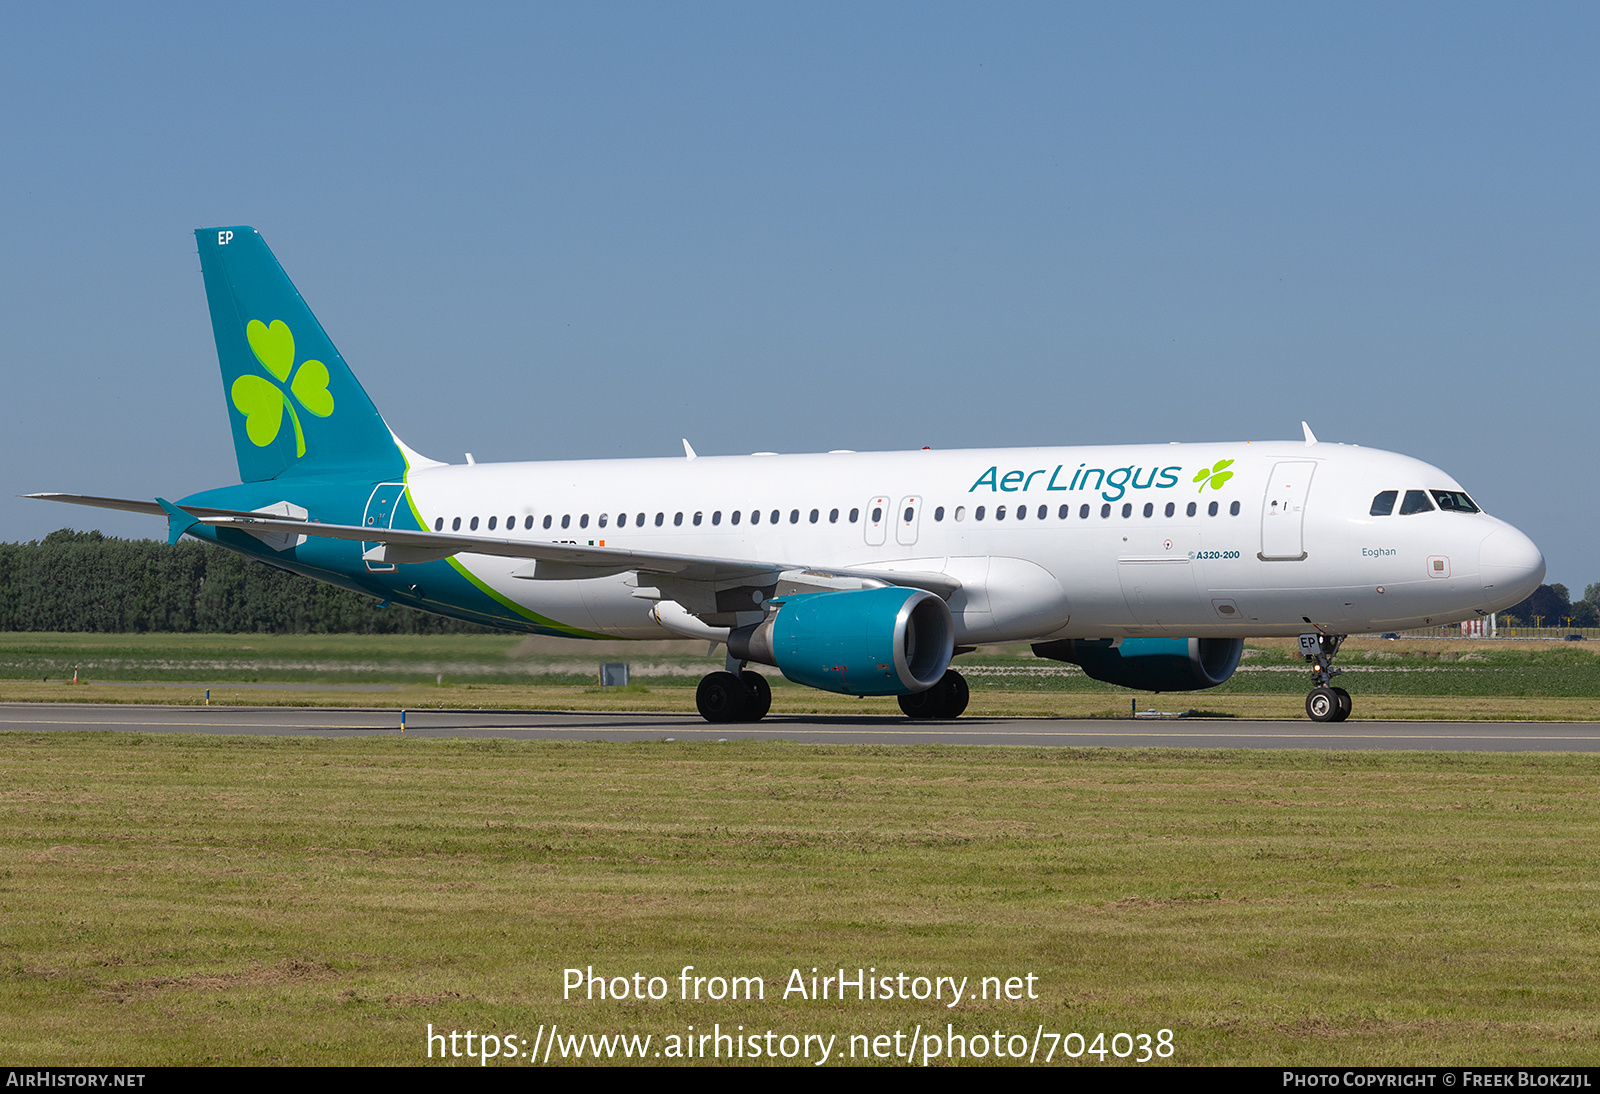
294 405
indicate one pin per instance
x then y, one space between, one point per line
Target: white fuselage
1291 545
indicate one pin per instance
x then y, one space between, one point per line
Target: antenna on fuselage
688 449
1311 438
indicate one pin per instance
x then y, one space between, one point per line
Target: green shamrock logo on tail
1214 477
262 402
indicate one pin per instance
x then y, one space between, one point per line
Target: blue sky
588 230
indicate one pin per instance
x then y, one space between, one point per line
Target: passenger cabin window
527 523
455 525
716 517
566 520
1211 509
438 525
977 514
734 517
815 513
1149 509
1083 512
773 516
492 523
583 521
1454 501
855 514
547 520
938 514
1189 512
677 520
1233 510
1127 509
794 516
1061 514
833 516
622 519
661 519
1383 503
961 512
1105 512
474 524
1415 501
1171 508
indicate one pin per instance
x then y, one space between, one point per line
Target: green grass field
258 900
178 899
1433 679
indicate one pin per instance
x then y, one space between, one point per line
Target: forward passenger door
1283 511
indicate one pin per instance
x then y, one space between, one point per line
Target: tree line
1553 606
86 581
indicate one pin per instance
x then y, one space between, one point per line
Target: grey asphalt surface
817 729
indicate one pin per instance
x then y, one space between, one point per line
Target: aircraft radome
860 573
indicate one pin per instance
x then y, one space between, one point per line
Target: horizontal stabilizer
130 505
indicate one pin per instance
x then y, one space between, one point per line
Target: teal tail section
295 407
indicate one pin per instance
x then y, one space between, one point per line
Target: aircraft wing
564 561
550 561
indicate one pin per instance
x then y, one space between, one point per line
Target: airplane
859 573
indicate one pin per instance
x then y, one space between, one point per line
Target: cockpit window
1383 504
1416 501
1454 501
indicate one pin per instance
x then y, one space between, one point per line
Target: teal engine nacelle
890 641
1151 664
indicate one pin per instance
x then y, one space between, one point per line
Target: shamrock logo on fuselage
262 402
1215 476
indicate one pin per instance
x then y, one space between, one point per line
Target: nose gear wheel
1325 703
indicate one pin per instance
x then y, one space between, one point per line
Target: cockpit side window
1416 501
1454 501
1383 504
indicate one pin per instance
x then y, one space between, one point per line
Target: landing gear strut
725 697
946 699
1325 703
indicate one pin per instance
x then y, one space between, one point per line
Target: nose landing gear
1325 703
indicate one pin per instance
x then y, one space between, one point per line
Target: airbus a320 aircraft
857 573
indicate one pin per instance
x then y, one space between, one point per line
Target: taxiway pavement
816 729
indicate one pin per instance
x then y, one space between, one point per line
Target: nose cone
1510 565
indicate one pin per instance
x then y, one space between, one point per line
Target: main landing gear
745 696
725 697
946 699
1325 703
